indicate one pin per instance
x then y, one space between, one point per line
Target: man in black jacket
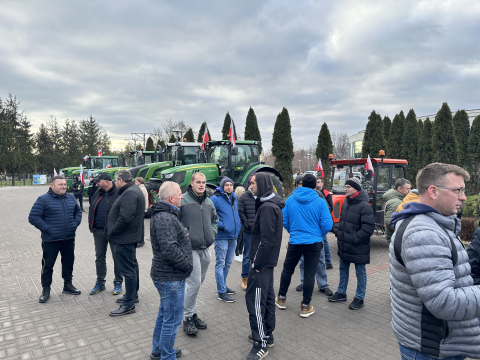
92 188
124 230
356 225
246 211
102 202
78 189
264 249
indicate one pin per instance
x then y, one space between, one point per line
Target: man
78 189
172 263
57 215
140 182
198 215
328 198
246 211
298 183
92 188
102 202
124 229
265 241
393 198
356 225
435 305
226 205
307 220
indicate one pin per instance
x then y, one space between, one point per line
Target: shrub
467 229
469 209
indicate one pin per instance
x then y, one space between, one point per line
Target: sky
135 64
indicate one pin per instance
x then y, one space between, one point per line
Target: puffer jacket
411 197
229 224
246 210
355 228
435 307
96 216
392 199
56 216
474 256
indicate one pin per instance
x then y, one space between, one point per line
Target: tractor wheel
277 184
209 191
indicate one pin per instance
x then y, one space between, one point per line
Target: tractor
90 165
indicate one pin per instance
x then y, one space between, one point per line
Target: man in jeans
307 219
198 215
246 211
172 263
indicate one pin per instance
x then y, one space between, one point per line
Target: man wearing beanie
356 225
229 225
307 219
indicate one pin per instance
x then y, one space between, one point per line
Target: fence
19 179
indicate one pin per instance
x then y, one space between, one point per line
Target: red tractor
386 172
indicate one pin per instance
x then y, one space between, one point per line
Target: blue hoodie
306 217
229 224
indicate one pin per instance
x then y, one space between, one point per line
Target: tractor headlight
167 176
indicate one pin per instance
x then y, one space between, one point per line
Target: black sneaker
199 324
329 266
327 291
189 326
356 304
225 297
258 352
269 340
337 297
299 287
230 291
158 356
45 295
68 288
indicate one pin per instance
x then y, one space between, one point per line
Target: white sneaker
239 258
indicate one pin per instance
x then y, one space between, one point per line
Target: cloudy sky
135 64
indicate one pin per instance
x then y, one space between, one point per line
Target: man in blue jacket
307 219
57 215
229 225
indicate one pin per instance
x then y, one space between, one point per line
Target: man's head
139 181
123 178
319 183
352 186
309 181
227 185
253 185
198 183
104 181
403 186
442 186
170 193
58 185
79 179
260 184
299 181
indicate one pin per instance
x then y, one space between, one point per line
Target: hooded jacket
435 307
198 215
246 210
411 197
229 224
56 216
266 237
355 228
101 204
474 256
306 217
172 251
77 188
392 200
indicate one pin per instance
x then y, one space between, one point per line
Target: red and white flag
85 158
108 167
81 175
231 134
369 165
55 172
320 167
99 153
205 138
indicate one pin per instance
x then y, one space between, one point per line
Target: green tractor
90 165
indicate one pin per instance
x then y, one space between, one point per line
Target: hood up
265 191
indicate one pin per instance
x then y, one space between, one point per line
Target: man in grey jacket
435 306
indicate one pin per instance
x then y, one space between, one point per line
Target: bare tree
340 145
165 130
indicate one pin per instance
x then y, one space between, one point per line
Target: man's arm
36 216
268 224
128 208
214 221
241 213
286 223
326 221
77 212
368 223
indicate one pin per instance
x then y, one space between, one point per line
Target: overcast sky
135 64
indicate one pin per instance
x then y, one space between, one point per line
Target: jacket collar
50 191
125 187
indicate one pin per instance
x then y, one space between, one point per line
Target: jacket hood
305 195
392 194
251 193
265 191
165 207
363 196
412 208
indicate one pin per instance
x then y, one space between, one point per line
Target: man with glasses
435 305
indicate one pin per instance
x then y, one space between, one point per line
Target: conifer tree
324 149
161 143
474 152
410 145
462 130
394 147
282 148
188 136
201 132
226 127
444 143
373 140
387 124
149 146
252 132
172 139
427 153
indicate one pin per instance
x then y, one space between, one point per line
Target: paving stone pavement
78 327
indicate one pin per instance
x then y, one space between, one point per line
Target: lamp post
177 133
309 156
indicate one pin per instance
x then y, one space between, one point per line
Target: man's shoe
299 287
258 352
117 289
122 310
230 291
158 356
329 266
244 283
356 304
45 295
225 297
189 326
140 244
97 288
281 302
269 340
120 300
306 310
199 324
337 297
327 291
238 258
68 288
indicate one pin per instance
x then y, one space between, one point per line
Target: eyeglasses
458 191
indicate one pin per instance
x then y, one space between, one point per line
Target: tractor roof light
382 154
330 157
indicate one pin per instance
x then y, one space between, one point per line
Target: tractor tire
277 184
209 191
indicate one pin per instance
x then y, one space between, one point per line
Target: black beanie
354 183
309 181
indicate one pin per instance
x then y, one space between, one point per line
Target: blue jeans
410 354
169 318
361 279
326 246
321 273
246 259
224 251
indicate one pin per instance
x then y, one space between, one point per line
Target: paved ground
78 327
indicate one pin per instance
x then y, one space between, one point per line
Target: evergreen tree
410 145
387 124
324 149
44 147
226 127
93 137
161 143
172 139
70 144
282 148
420 144
427 152
188 136
252 132
149 146
444 144
373 140
462 130
394 148
201 132
474 152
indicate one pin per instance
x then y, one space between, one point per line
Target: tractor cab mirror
180 154
160 154
124 162
368 175
201 158
234 151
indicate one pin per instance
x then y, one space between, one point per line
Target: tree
70 144
252 132
474 151
410 144
340 145
161 143
93 137
387 124
373 140
172 139
427 153
462 130
165 131
149 146
394 149
444 143
420 144
282 148
324 149
201 132
189 136
226 127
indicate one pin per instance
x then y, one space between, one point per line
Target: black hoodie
268 226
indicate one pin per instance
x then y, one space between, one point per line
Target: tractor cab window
241 163
98 164
398 172
112 162
189 155
342 174
218 154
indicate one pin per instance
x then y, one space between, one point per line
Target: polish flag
85 158
320 167
55 172
99 153
231 134
369 165
205 138
108 167
81 175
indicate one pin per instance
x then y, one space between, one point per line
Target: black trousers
260 299
50 252
101 243
125 256
80 200
311 256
